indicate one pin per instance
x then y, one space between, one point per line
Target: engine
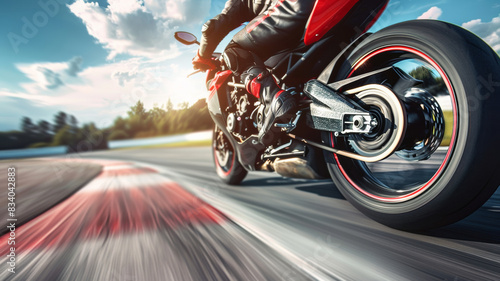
242 119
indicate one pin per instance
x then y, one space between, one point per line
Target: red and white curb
124 198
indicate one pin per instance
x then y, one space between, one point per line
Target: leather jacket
272 25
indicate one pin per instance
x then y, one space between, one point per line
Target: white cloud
124 6
102 93
433 13
139 28
49 75
74 66
53 79
186 11
488 31
124 76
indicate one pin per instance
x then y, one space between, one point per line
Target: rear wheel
227 166
447 163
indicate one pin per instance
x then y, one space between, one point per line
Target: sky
95 58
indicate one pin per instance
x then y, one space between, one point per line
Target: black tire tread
472 174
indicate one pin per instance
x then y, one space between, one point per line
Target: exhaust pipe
292 168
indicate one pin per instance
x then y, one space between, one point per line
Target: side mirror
186 38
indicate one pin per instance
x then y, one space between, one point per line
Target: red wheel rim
426 58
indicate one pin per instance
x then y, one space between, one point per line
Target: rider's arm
234 14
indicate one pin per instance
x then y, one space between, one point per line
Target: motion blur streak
114 211
130 223
125 171
311 224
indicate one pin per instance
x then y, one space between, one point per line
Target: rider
273 26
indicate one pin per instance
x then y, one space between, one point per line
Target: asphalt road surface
162 214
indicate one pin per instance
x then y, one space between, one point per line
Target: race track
162 214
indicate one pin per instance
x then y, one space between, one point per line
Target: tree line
161 120
430 81
138 123
63 131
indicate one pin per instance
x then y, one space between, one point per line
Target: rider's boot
279 104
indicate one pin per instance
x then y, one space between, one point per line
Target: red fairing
217 82
325 15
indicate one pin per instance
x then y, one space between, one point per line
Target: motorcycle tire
227 165
461 175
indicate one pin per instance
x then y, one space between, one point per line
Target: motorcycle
404 121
